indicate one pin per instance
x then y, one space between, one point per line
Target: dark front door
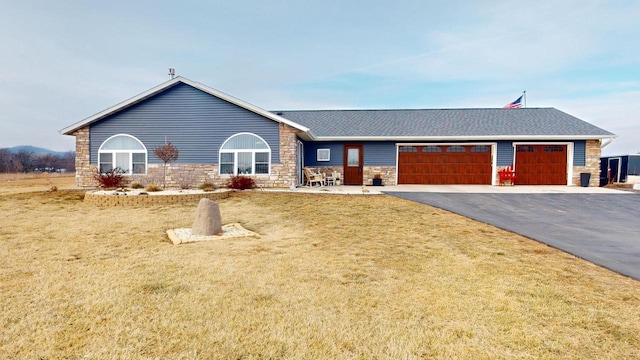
353 157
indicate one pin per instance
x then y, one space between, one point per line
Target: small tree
167 153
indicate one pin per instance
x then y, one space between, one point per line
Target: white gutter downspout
605 143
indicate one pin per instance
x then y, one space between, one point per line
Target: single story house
218 136
620 169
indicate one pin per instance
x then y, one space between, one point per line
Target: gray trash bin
584 179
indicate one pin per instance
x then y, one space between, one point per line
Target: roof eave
464 138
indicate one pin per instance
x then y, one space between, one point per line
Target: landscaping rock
208 220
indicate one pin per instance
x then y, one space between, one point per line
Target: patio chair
337 177
312 177
507 175
328 180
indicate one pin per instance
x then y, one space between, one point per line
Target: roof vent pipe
172 73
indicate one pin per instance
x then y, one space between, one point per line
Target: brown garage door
444 164
541 164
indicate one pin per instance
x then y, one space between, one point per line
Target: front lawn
331 277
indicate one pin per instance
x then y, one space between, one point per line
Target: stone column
288 150
84 174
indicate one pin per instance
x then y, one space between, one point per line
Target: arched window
245 154
124 152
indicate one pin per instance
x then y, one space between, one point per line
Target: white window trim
130 152
326 151
235 156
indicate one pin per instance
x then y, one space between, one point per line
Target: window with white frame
125 152
245 154
323 155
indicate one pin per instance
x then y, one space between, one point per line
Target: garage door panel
541 164
455 164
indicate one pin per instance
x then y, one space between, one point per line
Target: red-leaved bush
111 179
240 182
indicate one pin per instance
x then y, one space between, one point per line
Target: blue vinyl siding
380 154
505 153
376 153
195 122
580 153
310 153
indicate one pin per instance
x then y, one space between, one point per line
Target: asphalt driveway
601 228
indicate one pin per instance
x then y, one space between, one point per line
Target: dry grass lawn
19 183
332 277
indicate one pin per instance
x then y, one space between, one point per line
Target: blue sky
63 61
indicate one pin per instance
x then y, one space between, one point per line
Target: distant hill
35 150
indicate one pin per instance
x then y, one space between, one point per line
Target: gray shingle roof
444 123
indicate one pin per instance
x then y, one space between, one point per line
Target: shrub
240 182
206 186
136 185
111 179
167 153
153 187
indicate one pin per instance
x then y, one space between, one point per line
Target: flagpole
524 93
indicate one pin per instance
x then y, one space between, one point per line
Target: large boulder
208 220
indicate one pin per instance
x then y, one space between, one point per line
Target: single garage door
444 164
541 165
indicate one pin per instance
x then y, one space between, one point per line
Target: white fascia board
142 96
445 143
463 138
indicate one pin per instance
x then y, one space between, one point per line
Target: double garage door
444 164
471 164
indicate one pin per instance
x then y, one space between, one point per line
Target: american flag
515 104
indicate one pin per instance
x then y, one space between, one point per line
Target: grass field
19 183
331 277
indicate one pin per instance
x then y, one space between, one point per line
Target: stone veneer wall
592 163
387 173
84 171
183 176
284 174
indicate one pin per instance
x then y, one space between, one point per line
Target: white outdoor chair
312 177
329 180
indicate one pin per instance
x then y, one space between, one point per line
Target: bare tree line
27 161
